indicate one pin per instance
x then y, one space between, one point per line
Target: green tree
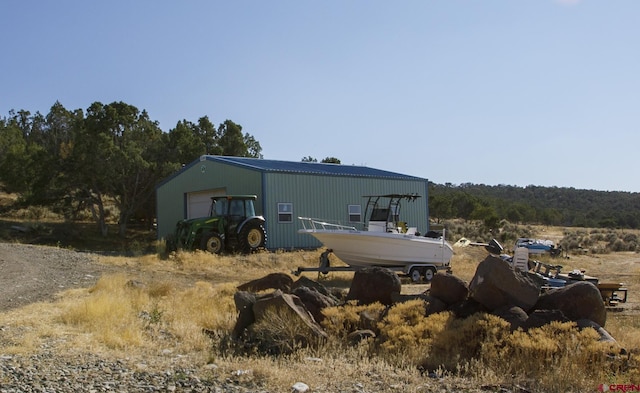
24 163
209 136
233 143
118 155
14 158
327 160
486 214
188 141
93 161
253 146
463 205
184 143
440 207
57 140
550 216
520 212
232 140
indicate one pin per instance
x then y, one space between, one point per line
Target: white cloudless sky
515 92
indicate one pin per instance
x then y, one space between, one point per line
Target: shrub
618 245
560 347
405 331
342 320
600 241
280 331
481 336
36 212
483 345
505 233
111 312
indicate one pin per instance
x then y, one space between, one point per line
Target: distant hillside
533 204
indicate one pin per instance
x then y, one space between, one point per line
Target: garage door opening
198 203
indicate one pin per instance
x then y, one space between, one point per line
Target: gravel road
31 273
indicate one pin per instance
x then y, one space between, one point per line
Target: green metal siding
201 176
328 197
311 195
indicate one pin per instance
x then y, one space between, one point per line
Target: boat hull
364 248
535 246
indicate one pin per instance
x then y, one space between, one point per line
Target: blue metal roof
313 168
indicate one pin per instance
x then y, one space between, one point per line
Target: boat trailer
415 271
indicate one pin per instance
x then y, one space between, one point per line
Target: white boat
385 241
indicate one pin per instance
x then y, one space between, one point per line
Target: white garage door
198 203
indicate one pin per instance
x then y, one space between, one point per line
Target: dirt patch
36 273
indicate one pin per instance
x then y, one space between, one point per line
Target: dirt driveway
31 273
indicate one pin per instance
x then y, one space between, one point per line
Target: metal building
286 190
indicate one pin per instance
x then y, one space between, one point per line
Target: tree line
73 160
558 206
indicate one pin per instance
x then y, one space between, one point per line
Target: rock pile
516 297
496 288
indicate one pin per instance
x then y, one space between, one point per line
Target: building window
355 213
285 212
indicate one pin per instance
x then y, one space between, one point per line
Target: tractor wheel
252 237
212 242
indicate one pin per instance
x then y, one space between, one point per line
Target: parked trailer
612 293
415 271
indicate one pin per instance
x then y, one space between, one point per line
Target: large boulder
539 318
314 301
495 284
374 284
448 288
466 308
309 283
279 281
580 300
279 301
434 305
244 305
512 314
605 336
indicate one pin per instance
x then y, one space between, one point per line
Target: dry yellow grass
159 306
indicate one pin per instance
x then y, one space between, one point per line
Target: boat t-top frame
382 212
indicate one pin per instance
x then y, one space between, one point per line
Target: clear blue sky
516 92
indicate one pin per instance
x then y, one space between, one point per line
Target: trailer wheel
415 274
429 273
212 242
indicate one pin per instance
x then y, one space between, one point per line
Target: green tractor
232 226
